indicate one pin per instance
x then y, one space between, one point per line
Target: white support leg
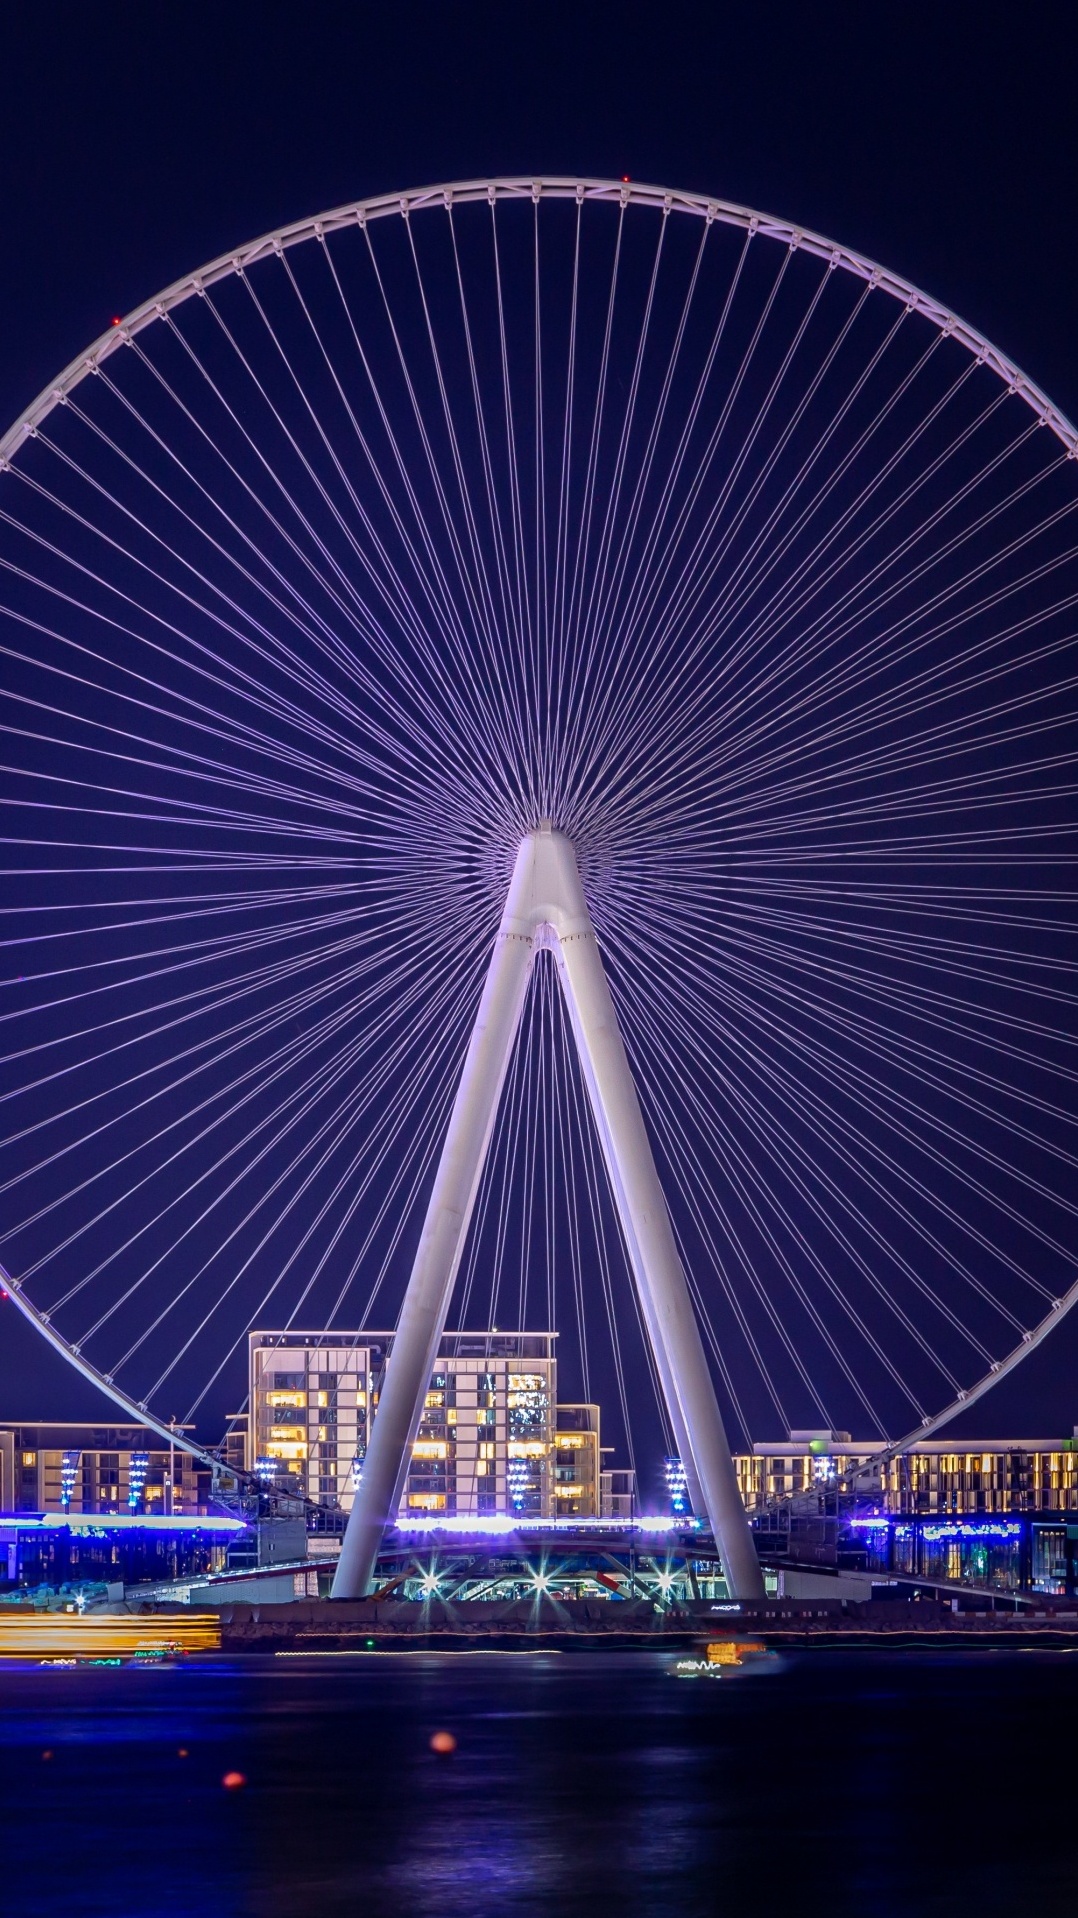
660 1276
546 905
426 1302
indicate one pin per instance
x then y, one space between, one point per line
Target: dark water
838 1784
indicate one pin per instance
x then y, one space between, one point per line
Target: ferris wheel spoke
404 1104
580 543
610 659
314 627
679 1156
735 1092
892 1112
716 437
701 564
859 667
260 638
838 1200
768 1180
871 651
801 1090
924 1006
472 618
411 1149
870 1038
592 598
382 1004
187 712
215 1044
341 595
411 550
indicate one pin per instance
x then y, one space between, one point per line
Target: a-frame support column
546 906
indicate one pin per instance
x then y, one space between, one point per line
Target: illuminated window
29 1458
287 1398
434 1398
427 1501
430 1448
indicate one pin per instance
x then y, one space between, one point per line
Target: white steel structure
336 567
546 906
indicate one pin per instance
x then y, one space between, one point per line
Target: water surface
839 1784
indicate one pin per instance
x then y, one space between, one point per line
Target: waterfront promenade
576 1625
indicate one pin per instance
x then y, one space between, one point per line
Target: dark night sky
136 141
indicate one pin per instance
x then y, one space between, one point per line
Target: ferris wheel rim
138 1413
523 187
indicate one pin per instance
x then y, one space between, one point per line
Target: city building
100 1469
577 1462
492 1438
935 1476
1021 1553
617 1491
86 1552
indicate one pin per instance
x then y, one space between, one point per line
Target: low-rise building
107 1470
101 1555
934 1477
617 1491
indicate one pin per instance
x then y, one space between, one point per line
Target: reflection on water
831 1784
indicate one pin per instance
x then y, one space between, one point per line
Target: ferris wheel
334 571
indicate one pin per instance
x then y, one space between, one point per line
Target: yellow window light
427 1501
288 1398
430 1448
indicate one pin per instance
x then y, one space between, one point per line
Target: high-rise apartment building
488 1442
